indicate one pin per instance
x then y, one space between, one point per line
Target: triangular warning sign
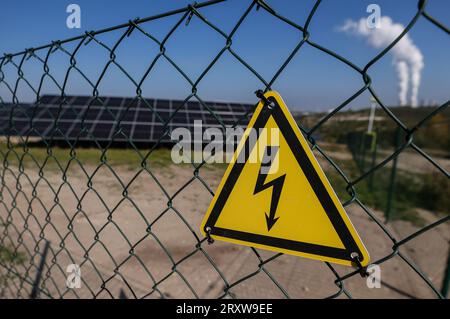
275 196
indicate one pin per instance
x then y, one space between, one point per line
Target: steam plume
408 60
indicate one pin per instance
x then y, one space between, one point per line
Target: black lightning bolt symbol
277 184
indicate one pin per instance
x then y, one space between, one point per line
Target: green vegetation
55 157
412 190
434 193
7 256
433 135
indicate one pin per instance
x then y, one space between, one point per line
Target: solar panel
114 101
100 119
47 99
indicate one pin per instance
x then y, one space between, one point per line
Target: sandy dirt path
147 238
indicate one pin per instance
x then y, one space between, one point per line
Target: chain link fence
55 209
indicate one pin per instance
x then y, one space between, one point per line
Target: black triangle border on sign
315 182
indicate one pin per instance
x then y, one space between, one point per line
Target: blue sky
313 81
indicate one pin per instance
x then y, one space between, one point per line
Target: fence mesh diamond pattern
63 203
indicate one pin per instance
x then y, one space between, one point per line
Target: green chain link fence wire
23 271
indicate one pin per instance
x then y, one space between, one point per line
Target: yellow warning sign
275 196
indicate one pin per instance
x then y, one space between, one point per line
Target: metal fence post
372 164
446 280
391 188
363 152
35 290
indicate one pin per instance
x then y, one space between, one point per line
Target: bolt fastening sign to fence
275 196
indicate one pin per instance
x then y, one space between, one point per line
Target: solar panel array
138 120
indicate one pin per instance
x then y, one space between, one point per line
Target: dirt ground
152 240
